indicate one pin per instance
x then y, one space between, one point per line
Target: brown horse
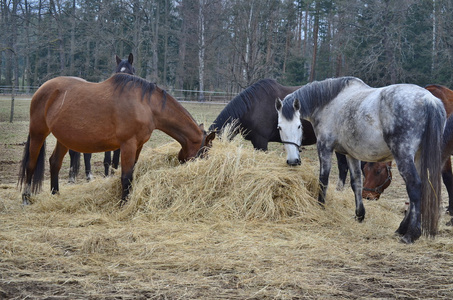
378 175
122 66
119 113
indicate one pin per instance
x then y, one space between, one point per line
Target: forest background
226 45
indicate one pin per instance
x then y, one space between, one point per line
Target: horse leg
447 178
356 184
259 143
33 162
87 161
410 227
128 159
56 160
74 158
342 170
116 159
325 163
107 162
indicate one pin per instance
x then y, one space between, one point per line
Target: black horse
253 114
122 66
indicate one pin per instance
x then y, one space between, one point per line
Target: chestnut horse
378 174
118 113
122 66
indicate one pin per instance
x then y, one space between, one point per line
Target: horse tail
38 175
431 169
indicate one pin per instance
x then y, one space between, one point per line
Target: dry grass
238 225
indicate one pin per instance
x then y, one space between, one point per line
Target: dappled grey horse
402 122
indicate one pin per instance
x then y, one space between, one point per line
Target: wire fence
181 95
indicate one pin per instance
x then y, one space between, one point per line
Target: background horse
378 175
119 113
402 121
122 66
253 114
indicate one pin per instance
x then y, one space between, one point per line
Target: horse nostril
294 162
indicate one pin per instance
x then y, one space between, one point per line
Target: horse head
378 176
125 65
186 154
290 128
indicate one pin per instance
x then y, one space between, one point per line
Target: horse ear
278 104
118 60
130 58
201 126
296 104
209 138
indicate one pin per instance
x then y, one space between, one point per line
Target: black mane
123 80
315 94
242 103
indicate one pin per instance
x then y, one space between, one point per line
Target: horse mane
242 103
315 94
121 80
435 85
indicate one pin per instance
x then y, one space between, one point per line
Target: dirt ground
74 248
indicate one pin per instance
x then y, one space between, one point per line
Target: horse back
79 112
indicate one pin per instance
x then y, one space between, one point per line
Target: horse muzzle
292 163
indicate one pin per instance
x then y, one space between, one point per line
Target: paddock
240 224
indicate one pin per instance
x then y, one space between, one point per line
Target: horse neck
175 120
320 93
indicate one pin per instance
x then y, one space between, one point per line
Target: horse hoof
26 199
340 186
71 180
89 177
449 223
410 237
406 239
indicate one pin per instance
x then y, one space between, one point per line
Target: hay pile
234 182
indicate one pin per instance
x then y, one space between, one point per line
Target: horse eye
298 127
279 128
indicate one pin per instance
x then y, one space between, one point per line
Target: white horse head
290 128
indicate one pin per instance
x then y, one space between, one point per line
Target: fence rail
180 95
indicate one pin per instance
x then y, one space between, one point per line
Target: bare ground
62 253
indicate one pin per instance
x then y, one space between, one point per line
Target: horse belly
365 143
84 130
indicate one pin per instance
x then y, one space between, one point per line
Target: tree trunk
72 50
166 29
201 49
315 42
433 61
